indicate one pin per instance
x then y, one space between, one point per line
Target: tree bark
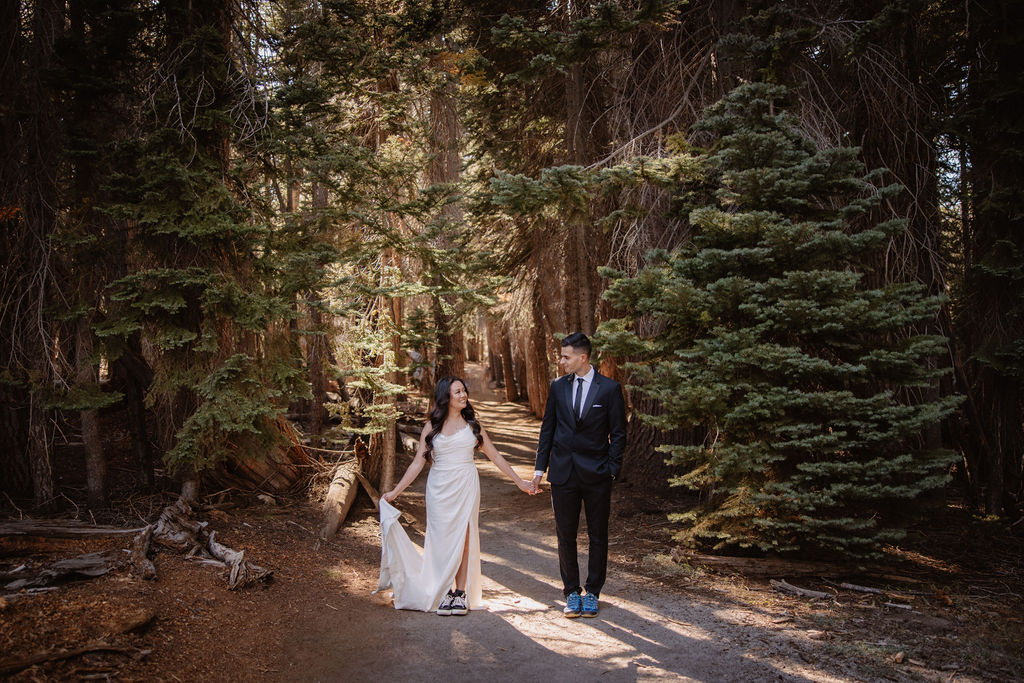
508 370
451 353
340 496
992 324
495 369
38 202
133 375
95 458
318 380
642 464
537 377
446 167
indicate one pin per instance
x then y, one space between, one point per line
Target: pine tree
199 287
774 344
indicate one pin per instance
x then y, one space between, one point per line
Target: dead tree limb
177 529
785 587
861 589
375 497
60 528
141 564
368 487
15 664
89 565
760 566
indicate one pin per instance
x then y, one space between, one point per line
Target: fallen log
278 470
15 664
340 496
413 429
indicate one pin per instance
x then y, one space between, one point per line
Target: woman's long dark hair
442 397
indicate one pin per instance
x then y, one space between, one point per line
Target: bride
446 576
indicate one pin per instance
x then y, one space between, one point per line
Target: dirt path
643 633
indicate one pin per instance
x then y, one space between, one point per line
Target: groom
582 439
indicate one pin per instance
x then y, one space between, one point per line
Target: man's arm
616 432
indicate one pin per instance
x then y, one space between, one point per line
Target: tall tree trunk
446 167
318 343
40 454
135 375
536 350
578 295
95 458
642 464
451 354
495 370
519 364
39 207
388 441
993 319
387 445
507 368
17 258
317 378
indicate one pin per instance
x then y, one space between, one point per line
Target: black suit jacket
594 444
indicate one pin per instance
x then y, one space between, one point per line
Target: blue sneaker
589 608
572 605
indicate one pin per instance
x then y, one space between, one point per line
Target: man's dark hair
578 341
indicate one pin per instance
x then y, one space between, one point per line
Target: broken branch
785 587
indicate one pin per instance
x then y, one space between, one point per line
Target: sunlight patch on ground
539 551
616 635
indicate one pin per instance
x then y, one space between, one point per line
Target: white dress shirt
588 381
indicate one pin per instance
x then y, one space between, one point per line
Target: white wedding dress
419 579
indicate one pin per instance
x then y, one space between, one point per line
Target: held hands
526 486
536 484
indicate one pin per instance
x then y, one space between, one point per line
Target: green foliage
349 81
801 376
235 414
201 285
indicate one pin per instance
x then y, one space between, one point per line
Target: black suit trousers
566 501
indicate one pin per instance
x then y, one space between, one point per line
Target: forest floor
662 618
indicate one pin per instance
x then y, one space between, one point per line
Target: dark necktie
579 397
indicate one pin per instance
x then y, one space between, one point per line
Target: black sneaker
459 607
445 608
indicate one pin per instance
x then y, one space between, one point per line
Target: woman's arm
494 456
414 469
